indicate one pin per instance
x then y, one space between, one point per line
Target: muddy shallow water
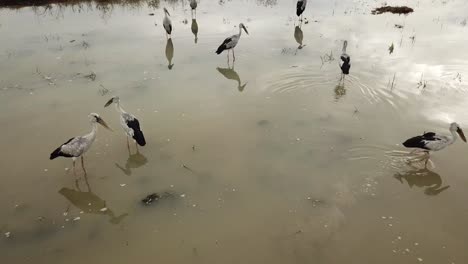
272 161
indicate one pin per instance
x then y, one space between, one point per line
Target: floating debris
391 48
154 197
123 185
91 76
398 26
420 259
103 209
393 9
151 14
76 218
263 122
7 234
71 41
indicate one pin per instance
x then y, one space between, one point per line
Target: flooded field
272 159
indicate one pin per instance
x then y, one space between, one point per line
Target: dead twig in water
47 78
422 83
327 58
393 82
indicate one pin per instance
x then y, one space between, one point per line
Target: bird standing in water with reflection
167 24
231 42
77 146
431 141
129 123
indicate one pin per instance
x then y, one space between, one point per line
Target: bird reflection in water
423 178
231 74
90 203
299 36
134 161
195 29
340 90
169 53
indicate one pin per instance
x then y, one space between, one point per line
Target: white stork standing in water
345 64
167 24
300 8
193 6
231 42
130 124
76 147
431 141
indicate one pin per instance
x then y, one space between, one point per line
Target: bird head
95 118
167 12
114 99
455 127
241 25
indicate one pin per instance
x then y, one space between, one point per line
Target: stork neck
240 31
94 128
454 136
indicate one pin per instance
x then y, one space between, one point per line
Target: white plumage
167 24
129 123
77 146
431 141
231 42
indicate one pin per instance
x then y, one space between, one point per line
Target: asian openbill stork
129 123
167 24
431 141
231 42
76 147
300 8
193 6
345 63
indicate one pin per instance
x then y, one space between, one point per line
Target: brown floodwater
272 160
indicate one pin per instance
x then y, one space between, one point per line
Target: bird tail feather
55 154
220 49
139 137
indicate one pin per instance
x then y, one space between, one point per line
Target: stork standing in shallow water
231 42
431 141
193 6
129 123
345 64
167 24
76 147
300 8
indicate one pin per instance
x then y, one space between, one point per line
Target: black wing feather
299 9
419 141
58 152
223 46
137 133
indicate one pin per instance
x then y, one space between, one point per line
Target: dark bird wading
300 8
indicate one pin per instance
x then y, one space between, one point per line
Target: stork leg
74 171
228 57
82 165
136 146
128 146
233 55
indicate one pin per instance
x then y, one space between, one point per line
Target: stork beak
109 102
167 12
460 132
103 123
245 29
